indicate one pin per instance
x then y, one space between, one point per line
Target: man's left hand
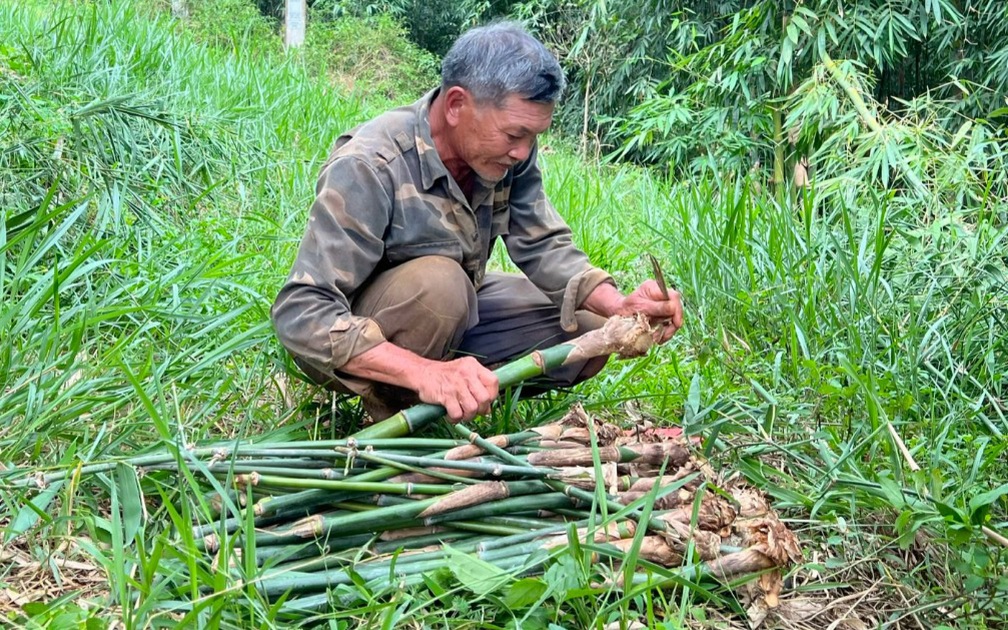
665 315
647 299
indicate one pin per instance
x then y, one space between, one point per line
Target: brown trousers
428 306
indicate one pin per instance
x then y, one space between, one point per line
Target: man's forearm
462 386
388 363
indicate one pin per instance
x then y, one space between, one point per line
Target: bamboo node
351 454
250 479
211 543
218 455
537 358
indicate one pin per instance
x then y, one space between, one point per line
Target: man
389 296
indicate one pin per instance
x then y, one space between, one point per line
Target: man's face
493 137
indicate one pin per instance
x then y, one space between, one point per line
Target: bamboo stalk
415 418
167 459
405 464
375 519
489 468
656 454
870 120
513 505
291 583
365 487
481 494
243 471
467 451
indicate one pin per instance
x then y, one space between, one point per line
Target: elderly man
389 297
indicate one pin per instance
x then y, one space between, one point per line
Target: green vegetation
154 181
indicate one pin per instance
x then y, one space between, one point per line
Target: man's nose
521 151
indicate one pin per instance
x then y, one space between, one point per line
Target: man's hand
462 386
647 299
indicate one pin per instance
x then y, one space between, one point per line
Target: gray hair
495 61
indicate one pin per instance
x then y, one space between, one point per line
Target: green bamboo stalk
234 523
405 442
166 459
548 529
524 523
304 499
497 547
423 464
672 579
326 527
424 540
344 485
404 463
288 582
482 527
275 462
329 474
401 514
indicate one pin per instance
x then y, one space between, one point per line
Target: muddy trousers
428 306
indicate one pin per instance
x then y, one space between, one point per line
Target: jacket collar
431 166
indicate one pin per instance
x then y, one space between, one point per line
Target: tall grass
154 189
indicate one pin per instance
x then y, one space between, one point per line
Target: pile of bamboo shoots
325 512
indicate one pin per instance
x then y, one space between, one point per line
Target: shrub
370 54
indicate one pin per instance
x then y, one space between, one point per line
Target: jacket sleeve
341 247
539 242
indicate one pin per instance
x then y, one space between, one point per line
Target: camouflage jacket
384 197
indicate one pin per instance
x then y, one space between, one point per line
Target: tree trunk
294 23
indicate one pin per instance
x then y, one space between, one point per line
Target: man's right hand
462 386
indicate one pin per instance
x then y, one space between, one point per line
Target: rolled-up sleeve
540 243
341 247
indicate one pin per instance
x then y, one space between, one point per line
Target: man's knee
441 287
424 305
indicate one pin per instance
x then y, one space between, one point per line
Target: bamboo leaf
131 498
478 576
525 592
980 504
32 511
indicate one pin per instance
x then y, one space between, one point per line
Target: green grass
154 184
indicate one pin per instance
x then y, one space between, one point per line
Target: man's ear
456 99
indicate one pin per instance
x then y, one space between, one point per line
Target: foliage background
154 180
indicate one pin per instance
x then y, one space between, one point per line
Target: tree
295 16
